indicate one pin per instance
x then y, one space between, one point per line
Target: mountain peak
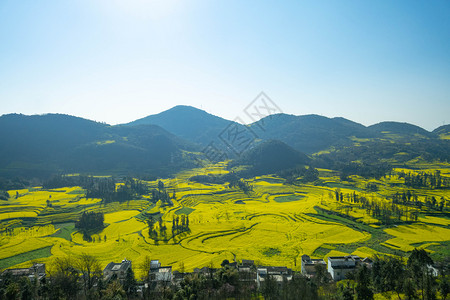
187 122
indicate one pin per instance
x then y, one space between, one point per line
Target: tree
417 264
363 292
63 279
444 287
129 285
114 291
90 268
270 288
160 185
12 291
145 268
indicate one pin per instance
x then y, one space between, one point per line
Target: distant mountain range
161 144
307 133
41 145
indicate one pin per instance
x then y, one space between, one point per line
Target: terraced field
274 224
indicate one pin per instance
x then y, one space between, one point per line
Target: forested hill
270 156
187 122
162 144
40 145
309 133
443 131
404 130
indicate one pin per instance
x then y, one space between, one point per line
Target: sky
115 61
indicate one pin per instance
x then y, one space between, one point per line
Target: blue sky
116 61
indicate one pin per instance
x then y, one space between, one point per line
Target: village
336 269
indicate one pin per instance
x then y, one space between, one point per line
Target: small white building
339 266
278 273
160 273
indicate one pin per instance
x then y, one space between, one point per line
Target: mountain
309 133
443 131
41 145
400 130
162 144
188 122
270 157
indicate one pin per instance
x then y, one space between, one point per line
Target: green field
274 223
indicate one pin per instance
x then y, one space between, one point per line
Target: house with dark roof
279 274
309 265
247 271
36 271
118 269
339 266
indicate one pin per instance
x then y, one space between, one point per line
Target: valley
273 221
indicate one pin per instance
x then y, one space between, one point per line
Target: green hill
41 145
400 130
309 133
270 157
187 122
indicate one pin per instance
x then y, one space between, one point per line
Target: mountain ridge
52 143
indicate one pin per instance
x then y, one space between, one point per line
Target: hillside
187 122
400 130
41 145
270 157
443 132
309 133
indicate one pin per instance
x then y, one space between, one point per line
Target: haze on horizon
117 61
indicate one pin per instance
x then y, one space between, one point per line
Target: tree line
425 180
105 188
394 211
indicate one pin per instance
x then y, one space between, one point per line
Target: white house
339 266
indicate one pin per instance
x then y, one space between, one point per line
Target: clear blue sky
116 61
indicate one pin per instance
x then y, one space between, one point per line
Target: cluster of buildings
337 267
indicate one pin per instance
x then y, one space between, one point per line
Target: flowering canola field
274 224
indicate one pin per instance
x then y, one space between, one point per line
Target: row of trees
388 213
158 230
410 198
231 178
425 180
414 280
109 191
105 188
162 194
180 224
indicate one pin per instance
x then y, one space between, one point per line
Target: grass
24 257
377 237
184 210
289 198
271 252
65 231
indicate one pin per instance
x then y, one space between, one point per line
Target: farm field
274 223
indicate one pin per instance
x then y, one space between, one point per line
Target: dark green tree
130 284
418 266
363 291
